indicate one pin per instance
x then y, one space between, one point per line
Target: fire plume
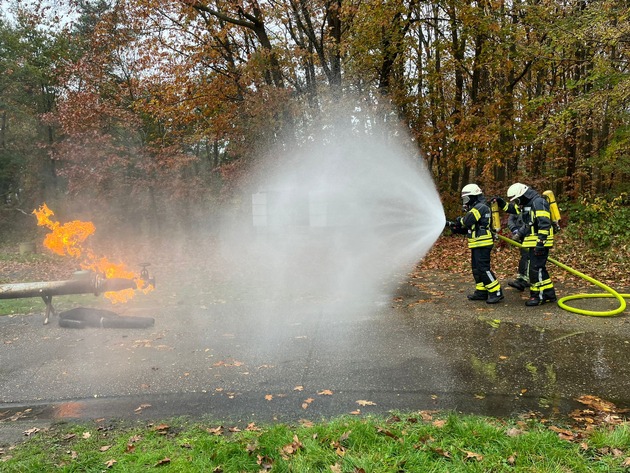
68 240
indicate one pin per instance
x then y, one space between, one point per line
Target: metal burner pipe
93 285
85 284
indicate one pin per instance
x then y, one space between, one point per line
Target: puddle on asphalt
517 365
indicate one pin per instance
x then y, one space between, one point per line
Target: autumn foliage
169 103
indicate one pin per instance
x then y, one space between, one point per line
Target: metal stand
50 310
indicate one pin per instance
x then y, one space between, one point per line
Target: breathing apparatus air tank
553 208
496 218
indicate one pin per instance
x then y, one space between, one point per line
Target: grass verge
418 442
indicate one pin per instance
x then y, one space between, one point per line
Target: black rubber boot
495 297
536 300
478 296
533 301
518 284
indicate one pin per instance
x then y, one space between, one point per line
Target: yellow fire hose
561 302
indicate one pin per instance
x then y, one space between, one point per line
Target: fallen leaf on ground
265 462
473 455
291 448
513 432
441 451
362 402
564 434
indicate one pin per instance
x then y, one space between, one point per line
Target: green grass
22 306
28 257
404 443
35 305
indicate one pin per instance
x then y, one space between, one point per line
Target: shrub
600 222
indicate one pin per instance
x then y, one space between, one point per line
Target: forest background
148 115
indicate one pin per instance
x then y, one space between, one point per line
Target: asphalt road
424 348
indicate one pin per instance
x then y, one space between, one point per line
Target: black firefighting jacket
536 217
477 223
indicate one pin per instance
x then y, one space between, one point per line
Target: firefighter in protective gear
519 230
476 224
538 238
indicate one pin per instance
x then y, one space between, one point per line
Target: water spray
338 218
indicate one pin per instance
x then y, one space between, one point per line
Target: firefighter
476 224
538 238
517 226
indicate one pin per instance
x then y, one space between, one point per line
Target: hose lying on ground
82 317
562 302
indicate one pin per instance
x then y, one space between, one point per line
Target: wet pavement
236 361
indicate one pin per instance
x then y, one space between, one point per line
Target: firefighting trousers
485 280
523 263
541 286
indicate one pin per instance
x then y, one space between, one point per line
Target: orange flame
68 239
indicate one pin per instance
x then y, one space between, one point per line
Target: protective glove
516 236
457 226
539 249
502 204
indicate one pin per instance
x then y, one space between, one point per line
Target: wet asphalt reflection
245 362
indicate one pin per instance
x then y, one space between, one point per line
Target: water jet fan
342 217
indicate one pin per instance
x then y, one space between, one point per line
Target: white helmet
516 190
468 191
471 189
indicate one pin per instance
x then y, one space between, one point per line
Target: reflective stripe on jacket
537 219
477 220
